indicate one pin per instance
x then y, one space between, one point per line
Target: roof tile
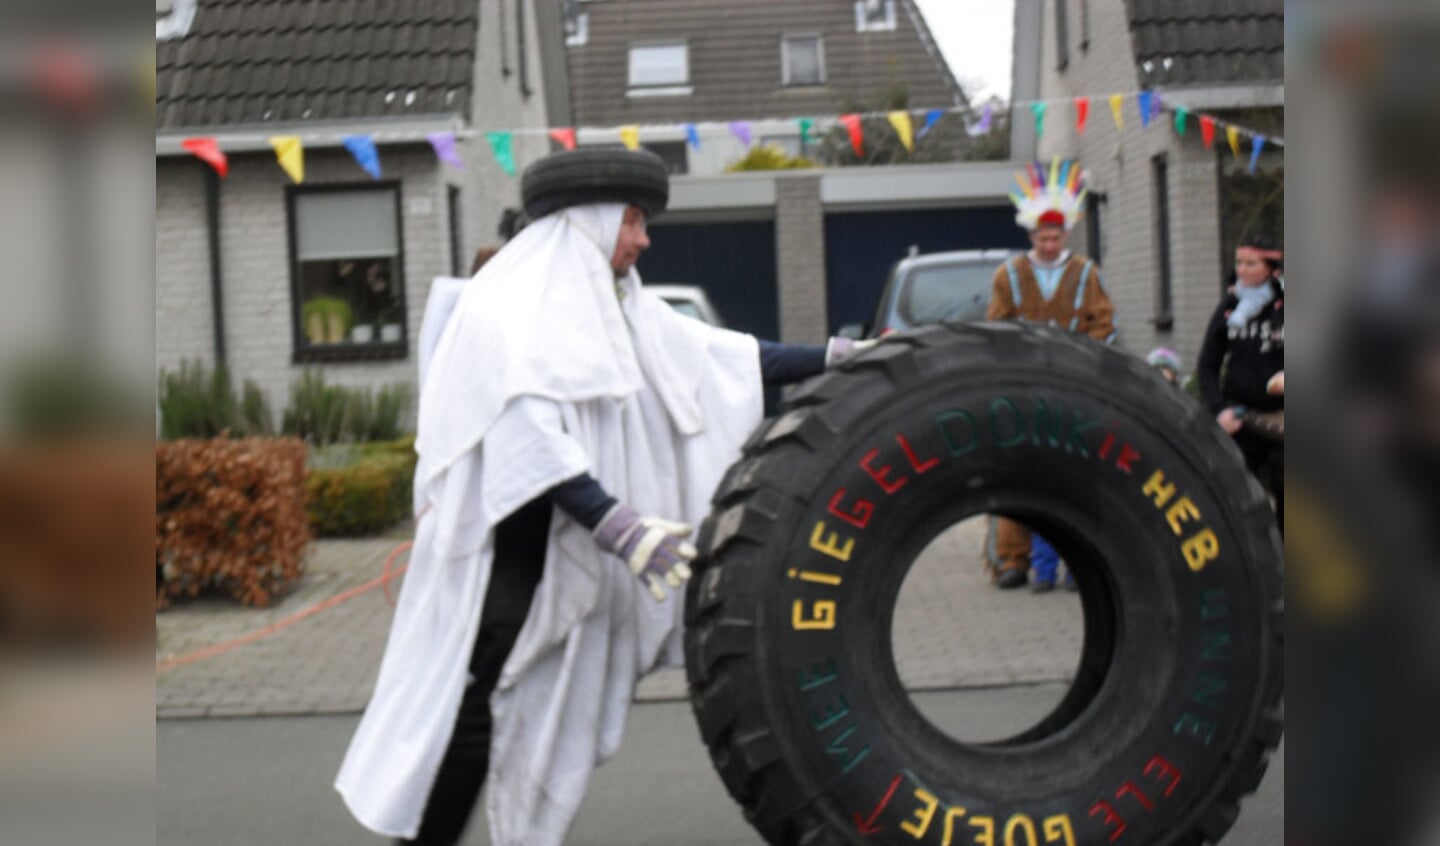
335 58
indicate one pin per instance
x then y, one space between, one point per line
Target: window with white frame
802 60
577 29
348 285
659 65
874 15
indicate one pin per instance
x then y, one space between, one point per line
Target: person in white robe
572 428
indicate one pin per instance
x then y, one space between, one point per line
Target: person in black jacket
1243 354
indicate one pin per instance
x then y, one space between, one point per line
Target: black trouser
1266 459
519 560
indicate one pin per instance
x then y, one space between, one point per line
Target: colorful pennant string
362 147
904 128
564 136
502 145
291 155
208 150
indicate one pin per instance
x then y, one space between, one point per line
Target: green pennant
501 144
1180 113
805 124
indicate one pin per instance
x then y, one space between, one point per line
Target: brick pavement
952 630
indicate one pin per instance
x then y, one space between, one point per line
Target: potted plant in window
326 320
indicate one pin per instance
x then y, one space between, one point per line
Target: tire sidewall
1181 690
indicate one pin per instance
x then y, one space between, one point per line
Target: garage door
861 247
733 262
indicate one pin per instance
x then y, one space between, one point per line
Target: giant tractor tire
1175 705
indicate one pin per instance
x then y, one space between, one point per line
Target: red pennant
208 150
564 135
857 137
1207 131
1082 114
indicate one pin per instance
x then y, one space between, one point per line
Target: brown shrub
74 531
229 514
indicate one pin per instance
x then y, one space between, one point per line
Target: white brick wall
255 252
1119 165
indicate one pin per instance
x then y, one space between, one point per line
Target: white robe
543 373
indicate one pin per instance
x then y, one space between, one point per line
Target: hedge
72 543
369 492
229 514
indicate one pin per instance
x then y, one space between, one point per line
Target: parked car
933 288
689 300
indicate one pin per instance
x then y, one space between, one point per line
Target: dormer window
173 18
874 15
802 60
659 69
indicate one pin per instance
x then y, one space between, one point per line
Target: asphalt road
227 782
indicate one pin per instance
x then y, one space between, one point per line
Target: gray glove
653 549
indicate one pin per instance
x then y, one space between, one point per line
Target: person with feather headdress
1048 284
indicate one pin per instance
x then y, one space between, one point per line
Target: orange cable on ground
279 625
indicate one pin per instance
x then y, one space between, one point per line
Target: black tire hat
560 180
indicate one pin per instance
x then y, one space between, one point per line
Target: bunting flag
362 147
444 145
564 136
851 122
982 126
904 128
1207 131
208 150
932 117
502 145
630 136
291 155
1142 102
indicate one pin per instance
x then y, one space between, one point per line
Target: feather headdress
1056 198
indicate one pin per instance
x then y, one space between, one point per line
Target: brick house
1164 213
674 61
783 254
240 262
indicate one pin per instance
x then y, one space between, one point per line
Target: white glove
653 548
839 349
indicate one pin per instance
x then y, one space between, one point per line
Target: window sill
331 353
661 91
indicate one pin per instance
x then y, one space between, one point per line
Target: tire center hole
986 664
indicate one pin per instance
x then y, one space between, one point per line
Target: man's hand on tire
654 549
839 349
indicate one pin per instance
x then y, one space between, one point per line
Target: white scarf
1252 300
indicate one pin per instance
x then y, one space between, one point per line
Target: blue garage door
861 247
733 262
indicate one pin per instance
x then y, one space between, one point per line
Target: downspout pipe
212 226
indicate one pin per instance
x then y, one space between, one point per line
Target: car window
946 292
686 307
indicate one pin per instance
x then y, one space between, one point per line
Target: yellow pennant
904 128
1117 110
631 136
1233 136
291 155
